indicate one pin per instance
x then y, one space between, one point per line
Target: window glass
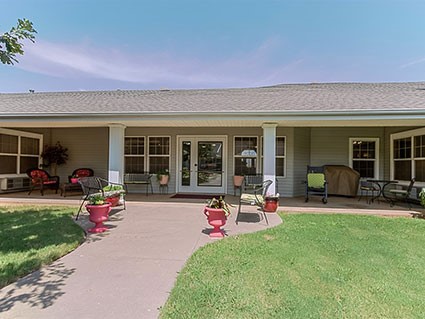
420 170
420 146
30 146
403 170
159 145
8 164
27 162
402 148
134 146
8 144
364 158
134 164
246 146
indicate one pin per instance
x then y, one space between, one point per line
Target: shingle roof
286 98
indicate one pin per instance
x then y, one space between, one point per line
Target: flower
219 203
96 199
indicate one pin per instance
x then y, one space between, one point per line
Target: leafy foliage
10 42
55 154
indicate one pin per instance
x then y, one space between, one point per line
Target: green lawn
34 236
311 266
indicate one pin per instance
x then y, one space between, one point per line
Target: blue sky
109 44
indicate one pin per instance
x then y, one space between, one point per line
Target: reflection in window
245 155
364 157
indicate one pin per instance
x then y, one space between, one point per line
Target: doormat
196 196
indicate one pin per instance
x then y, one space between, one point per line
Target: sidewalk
126 272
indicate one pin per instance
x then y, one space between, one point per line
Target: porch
335 205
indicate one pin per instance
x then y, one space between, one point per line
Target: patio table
381 184
69 187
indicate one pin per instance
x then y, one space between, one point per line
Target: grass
311 266
31 237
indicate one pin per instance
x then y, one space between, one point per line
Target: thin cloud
422 60
83 61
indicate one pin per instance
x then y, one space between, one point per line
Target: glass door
201 165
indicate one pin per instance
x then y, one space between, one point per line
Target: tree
10 42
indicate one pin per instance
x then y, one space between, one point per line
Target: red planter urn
98 214
113 200
271 204
74 180
216 218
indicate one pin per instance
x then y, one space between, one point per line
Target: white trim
148 155
377 156
277 156
257 157
18 155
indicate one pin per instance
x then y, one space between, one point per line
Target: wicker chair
41 179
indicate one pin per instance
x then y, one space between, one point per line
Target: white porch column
269 155
116 153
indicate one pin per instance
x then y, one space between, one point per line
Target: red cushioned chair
81 172
40 178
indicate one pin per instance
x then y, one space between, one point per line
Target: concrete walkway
126 272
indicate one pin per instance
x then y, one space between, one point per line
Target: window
159 154
245 155
19 151
152 158
408 155
364 156
280 155
134 151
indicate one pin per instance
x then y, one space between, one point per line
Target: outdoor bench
140 179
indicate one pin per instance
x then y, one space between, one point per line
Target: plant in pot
99 210
54 155
74 179
113 194
217 212
271 203
163 176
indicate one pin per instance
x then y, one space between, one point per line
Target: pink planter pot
74 180
113 200
216 218
98 214
271 204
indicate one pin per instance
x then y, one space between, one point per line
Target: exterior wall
87 147
301 158
330 146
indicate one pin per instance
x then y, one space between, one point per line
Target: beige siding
87 147
331 145
301 154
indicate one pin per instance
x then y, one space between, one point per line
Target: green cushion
316 180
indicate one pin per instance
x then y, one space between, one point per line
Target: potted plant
74 179
54 155
217 212
163 176
113 194
271 203
98 209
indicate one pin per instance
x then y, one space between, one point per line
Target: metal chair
368 187
40 178
402 194
96 185
256 198
316 183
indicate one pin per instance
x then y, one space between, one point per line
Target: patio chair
96 185
315 183
252 182
366 188
256 198
40 178
401 194
81 172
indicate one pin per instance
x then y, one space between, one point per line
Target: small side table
163 188
70 187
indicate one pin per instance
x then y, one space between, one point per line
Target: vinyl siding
301 155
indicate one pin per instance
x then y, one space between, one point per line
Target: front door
201 164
